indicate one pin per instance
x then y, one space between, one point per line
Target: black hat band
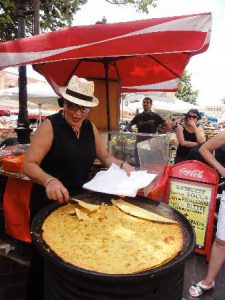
78 95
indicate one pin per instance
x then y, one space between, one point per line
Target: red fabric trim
16 209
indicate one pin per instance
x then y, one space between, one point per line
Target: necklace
76 132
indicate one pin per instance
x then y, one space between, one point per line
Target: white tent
39 95
178 106
160 102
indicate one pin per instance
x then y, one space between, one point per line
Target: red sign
192 190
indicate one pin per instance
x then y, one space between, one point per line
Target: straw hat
79 91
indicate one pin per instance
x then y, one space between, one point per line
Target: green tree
141 5
185 91
54 14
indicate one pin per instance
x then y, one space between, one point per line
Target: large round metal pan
97 198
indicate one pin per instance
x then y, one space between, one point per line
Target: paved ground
195 270
14 269
13 276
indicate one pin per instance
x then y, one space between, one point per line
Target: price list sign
193 201
191 189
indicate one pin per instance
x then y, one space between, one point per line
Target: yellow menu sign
193 202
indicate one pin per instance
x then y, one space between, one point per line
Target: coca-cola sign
191 173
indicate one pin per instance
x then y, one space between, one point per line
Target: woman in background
189 135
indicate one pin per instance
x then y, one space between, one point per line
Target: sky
207 69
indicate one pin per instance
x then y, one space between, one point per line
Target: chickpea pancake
110 241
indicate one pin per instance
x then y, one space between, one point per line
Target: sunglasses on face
192 117
76 107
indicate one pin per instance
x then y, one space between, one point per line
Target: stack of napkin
116 181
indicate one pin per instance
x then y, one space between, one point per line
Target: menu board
193 201
192 189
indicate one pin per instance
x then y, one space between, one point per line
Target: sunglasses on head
192 116
76 107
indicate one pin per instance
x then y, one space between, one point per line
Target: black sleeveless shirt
183 151
70 159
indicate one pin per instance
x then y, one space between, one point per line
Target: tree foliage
140 5
8 20
54 14
185 91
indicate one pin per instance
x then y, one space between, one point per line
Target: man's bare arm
129 127
166 127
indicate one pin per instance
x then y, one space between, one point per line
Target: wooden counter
13 174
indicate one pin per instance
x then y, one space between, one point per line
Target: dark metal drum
65 281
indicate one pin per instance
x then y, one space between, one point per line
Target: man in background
148 121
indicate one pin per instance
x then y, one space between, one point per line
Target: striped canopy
145 55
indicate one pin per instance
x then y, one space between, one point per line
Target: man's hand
166 127
129 127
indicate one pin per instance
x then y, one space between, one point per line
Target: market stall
137 56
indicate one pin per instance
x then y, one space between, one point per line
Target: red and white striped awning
146 55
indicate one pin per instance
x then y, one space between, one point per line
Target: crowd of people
207 124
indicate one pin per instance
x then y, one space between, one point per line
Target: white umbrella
172 105
39 93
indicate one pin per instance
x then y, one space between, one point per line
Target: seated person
217 257
189 135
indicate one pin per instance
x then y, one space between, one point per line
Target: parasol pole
106 67
36 7
22 130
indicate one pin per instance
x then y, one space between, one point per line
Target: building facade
216 110
9 78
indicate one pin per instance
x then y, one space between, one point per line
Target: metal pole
106 66
36 7
22 130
